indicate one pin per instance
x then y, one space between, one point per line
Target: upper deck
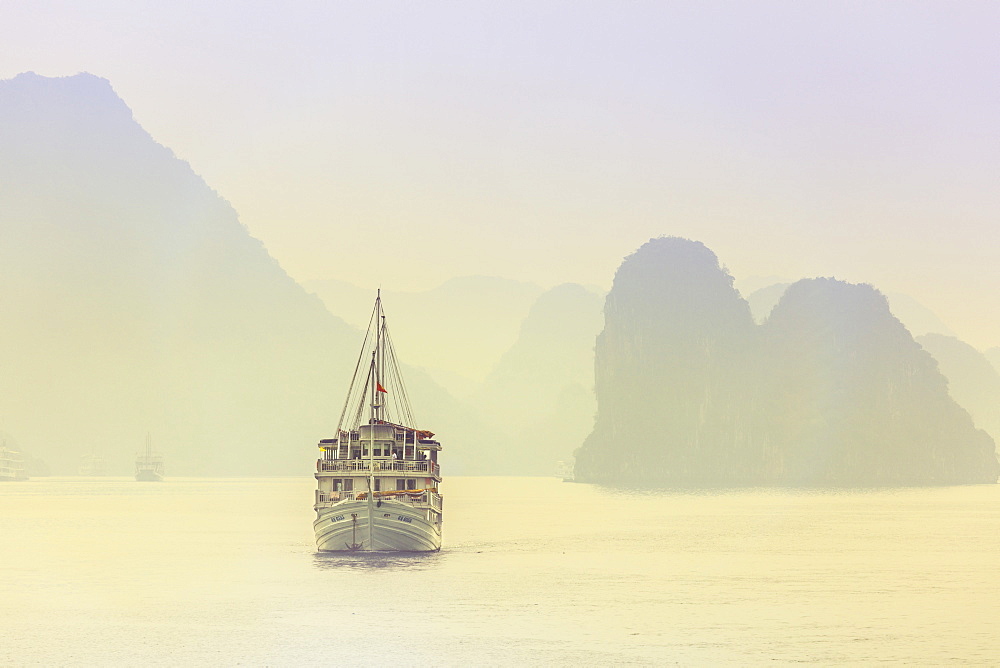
380 448
381 431
377 466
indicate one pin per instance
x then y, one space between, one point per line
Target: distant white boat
92 465
377 482
564 470
11 464
149 466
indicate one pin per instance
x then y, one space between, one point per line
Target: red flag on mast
380 388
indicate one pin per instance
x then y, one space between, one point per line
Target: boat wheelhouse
378 478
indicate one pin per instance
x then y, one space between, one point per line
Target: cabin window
411 483
378 452
348 484
400 483
337 482
378 484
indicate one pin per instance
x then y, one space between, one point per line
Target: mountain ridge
830 390
138 294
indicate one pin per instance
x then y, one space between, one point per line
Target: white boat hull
360 526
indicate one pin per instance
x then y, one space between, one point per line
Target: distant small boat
11 464
564 470
149 466
92 465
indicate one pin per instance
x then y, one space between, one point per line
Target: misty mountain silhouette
993 355
918 318
136 302
973 382
830 390
457 331
536 346
763 300
542 387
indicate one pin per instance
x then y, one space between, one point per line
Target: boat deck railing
384 465
424 499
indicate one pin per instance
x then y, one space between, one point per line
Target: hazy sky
404 143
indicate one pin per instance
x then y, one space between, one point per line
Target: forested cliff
830 390
670 370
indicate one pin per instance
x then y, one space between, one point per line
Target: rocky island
830 390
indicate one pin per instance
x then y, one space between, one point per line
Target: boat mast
371 422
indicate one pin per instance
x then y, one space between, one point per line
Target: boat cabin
398 458
385 440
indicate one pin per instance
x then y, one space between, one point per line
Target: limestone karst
852 399
830 390
671 371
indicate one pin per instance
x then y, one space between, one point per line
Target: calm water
534 572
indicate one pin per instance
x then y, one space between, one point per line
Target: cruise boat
149 466
11 464
378 478
92 465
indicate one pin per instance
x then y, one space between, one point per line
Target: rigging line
360 399
404 406
391 376
381 370
403 393
354 378
405 399
392 371
397 401
402 402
